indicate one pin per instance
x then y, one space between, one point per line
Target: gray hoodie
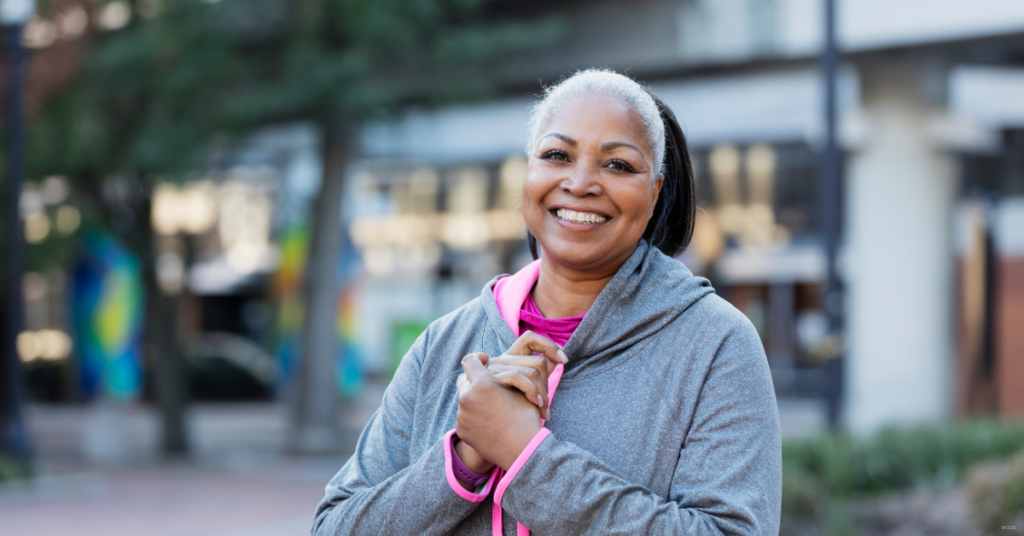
664 422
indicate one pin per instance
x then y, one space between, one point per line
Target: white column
900 297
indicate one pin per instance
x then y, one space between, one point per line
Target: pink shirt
557 329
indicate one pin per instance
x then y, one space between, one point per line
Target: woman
662 415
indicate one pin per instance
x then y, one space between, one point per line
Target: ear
658 182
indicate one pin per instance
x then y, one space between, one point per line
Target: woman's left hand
498 422
526 367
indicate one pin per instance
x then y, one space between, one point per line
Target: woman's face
590 186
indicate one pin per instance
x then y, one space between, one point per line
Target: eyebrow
609 145
605 147
562 137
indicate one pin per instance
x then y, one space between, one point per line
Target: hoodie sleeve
728 478
381 489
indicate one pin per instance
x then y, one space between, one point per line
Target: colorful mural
288 288
294 247
107 314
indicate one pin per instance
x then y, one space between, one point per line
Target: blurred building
232 244
931 103
933 211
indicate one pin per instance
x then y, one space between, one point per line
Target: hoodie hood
647 293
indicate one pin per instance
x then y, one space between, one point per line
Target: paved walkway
101 474
169 500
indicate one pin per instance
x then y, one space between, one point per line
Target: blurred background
225 221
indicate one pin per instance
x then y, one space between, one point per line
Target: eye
619 165
555 154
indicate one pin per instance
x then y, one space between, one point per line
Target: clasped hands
502 401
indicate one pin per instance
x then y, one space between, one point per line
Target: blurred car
228 367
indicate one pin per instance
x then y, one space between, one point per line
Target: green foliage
165 95
901 458
11 469
154 95
822 474
997 494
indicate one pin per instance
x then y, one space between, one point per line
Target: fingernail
565 358
540 401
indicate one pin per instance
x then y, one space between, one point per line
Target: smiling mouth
578 217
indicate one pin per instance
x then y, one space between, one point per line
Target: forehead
597 116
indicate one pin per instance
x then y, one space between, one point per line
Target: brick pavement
100 473
169 500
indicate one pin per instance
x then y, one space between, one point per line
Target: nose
581 182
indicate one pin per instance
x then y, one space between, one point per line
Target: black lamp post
829 201
14 14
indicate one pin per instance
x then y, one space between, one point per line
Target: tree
184 76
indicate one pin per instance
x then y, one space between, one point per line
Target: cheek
637 201
535 187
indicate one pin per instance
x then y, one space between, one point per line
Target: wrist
471 458
516 446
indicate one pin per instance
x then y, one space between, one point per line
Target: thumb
473 365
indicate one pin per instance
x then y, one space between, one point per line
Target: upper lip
579 208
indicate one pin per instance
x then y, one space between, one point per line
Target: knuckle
468 397
483 389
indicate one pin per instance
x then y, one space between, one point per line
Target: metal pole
13 439
829 202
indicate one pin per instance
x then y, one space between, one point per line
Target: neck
563 291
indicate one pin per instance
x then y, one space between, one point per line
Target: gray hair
601 81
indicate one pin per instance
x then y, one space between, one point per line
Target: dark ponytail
671 225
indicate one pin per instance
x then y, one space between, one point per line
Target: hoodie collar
647 293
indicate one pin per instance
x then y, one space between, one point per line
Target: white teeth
579 217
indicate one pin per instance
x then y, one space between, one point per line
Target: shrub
997 494
927 456
822 475
11 469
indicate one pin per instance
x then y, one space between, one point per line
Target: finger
473 365
538 379
531 343
521 382
461 383
541 363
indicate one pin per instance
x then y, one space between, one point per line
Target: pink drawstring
499 489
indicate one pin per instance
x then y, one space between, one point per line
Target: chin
580 254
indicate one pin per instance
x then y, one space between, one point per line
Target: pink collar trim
510 293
